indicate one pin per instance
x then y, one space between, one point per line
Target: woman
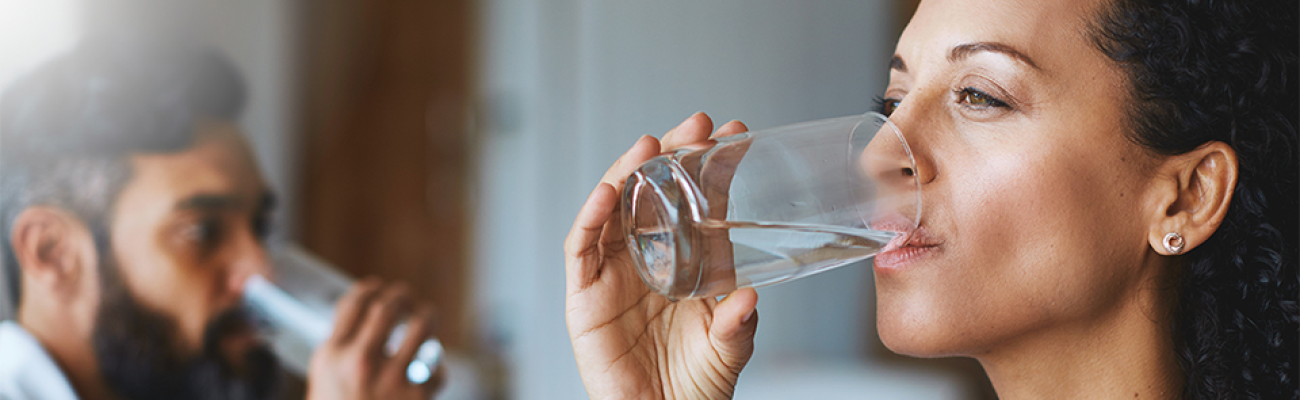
1111 205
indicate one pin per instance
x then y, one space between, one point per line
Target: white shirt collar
26 371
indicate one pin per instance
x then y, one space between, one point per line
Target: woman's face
1032 221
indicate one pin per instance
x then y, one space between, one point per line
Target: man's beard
138 358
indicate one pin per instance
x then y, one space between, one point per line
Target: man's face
185 233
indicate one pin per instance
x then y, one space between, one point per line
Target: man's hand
353 364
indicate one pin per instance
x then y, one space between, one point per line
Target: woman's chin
914 344
920 334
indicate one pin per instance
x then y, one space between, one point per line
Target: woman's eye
979 99
886 106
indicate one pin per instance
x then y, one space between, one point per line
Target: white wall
568 85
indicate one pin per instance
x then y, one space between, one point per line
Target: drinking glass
296 313
770 206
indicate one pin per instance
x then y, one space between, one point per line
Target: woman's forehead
1051 32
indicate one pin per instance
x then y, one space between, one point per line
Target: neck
71 350
1126 354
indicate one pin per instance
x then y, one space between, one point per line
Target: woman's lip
905 248
899 258
910 233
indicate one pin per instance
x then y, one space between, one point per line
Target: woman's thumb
735 319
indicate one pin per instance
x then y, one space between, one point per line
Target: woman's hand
629 341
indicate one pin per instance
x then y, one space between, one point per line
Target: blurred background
449 143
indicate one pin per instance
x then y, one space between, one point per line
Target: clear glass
770 206
296 313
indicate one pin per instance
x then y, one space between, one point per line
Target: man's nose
250 258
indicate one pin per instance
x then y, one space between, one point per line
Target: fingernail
643 139
593 193
748 316
688 119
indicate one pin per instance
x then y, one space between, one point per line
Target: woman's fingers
695 128
582 244
731 128
645 148
735 319
581 247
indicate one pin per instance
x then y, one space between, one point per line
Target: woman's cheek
1005 210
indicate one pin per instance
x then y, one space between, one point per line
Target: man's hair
1201 71
67 129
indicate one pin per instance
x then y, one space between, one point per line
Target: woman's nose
899 170
915 121
891 160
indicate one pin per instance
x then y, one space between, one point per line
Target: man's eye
979 99
202 232
262 226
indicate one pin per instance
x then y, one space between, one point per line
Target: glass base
662 205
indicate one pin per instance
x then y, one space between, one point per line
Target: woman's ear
51 245
1193 192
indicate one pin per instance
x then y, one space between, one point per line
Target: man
133 211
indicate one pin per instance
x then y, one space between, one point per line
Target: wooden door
385 145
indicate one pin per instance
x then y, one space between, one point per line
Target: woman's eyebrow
962 51
897 64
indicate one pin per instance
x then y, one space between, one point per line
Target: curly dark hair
1202 71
